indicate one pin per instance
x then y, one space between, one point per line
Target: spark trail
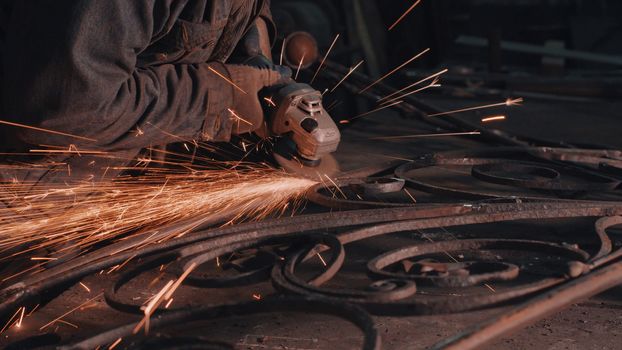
66 219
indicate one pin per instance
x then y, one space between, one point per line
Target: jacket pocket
187 42
190 35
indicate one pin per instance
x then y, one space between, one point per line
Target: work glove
247 111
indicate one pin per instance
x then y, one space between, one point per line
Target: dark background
571 83
593 27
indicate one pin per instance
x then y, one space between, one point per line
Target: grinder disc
328 166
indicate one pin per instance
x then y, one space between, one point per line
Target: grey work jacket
104 69
100 68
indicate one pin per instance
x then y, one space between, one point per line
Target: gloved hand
247 112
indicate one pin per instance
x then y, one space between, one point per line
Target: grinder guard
300 117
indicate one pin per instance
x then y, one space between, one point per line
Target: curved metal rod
535 309
352 313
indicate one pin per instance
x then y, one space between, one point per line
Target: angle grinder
305 132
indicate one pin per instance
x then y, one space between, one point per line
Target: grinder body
299 116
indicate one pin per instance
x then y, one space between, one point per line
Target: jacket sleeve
265 13
72 68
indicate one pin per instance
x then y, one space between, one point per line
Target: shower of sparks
302 59
226 79
324 59
493 118
433 76
69 219
426 135
24 126
395 70
352 69
346 121
404 15
509 103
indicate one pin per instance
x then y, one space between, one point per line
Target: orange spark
226 79
395 70
416 83
324 59
493 118
509 102
410 195
68 323
179 281
139 132
11 320
116 342
352 69
336 186
36 258
21 318
426 135
66 151
33 310
370 112
433 84
46 130
85 287
257 296
321 259
269 100
300 65
282 53
69 312
238 117
404 14
151 307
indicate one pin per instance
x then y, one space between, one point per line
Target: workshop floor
593 324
